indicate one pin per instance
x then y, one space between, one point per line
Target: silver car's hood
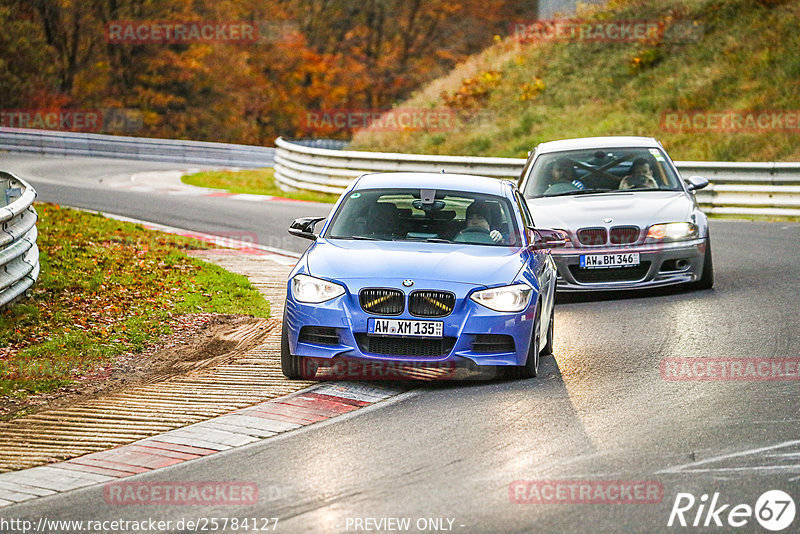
635 208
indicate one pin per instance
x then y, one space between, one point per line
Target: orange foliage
310 55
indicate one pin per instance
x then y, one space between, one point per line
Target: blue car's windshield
425 215
579 172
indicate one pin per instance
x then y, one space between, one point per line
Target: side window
523 208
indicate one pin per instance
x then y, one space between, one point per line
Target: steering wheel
474 234
476 230
561 187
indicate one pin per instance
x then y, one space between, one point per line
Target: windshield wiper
357 237
427 239
638 189
579 192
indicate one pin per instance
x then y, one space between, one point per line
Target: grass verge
106 288
253 182
756 218
736 55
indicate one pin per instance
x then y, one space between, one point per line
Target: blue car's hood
394 262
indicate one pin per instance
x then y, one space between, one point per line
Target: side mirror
544 238
304 227
696 182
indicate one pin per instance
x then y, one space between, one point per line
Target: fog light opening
681 264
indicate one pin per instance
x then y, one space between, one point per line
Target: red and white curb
236 429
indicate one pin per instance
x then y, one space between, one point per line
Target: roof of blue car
430 180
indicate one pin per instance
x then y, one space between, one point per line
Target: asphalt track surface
602 409
90 183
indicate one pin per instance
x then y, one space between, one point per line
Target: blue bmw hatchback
423 269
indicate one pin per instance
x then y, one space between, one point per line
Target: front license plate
400 327
606 261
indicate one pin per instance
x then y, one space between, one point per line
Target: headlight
513 298
314 290
672 231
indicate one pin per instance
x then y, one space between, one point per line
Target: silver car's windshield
580 172
425 215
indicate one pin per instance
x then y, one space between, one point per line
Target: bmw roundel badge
408 283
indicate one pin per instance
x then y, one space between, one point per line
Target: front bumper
661 264
460 330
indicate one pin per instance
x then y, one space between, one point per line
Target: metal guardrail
771 189
735 189
333 144
138 148
19 255
330 171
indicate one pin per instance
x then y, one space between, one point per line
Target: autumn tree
336 54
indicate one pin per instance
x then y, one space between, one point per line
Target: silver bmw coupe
630 220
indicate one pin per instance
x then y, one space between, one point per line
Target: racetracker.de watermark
730 369
180 493
111 120
605 31
142 525
381 120
344 369
585 492
238 240
183 32
731 121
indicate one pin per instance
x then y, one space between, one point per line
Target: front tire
707 277
294 367
290 366
531 367
547 350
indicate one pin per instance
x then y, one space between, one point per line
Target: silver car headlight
513 298
314 290
675 231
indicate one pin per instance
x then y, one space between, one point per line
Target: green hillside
731 57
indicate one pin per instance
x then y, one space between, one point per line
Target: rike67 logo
774 511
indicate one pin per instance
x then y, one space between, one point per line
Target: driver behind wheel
564 172
478 229
562 177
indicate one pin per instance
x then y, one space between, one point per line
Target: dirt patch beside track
199 341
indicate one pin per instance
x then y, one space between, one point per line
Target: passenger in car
640 177
381 221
